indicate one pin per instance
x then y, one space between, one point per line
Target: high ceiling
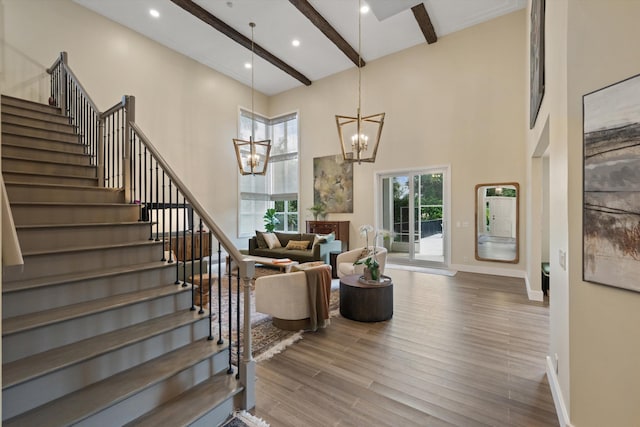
390 26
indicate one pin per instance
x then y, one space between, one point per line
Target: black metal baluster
210 338
193 255
184 240
164 223
157 202
149 205
170 223
220 292
201 284
230 339
237 324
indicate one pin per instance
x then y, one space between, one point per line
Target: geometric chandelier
252 156
360 136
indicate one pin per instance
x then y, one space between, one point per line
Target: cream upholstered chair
285 297
344 261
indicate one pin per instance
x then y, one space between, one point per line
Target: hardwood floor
467 350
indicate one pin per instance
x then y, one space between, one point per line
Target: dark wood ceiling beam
205 16
422 16
318 20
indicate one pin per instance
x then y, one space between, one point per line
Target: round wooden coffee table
366 302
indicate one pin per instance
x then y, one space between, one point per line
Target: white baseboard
533 295
558 400
488 270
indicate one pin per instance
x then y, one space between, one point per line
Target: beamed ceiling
216 33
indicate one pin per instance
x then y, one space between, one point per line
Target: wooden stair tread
46 150
39 174
83 225
50 132
92 248
26 102
46 162
43 363
39 282
74 407
10 115
62 186
25 322
189 406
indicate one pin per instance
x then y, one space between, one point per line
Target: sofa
279 246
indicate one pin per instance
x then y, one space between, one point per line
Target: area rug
245 419
267 340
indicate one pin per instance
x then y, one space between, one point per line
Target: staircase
94 331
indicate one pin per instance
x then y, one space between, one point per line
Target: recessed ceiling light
247 65
154 13
364 9
295 42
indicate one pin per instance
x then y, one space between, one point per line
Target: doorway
414 206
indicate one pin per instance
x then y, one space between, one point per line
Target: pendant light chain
253 114
359 54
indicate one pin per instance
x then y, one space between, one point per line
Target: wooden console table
178 246
340 228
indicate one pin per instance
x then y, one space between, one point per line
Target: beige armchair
286 298
344 261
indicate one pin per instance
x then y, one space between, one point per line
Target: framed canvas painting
333 184
536 60
611 191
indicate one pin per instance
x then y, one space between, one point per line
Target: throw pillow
271 240
297 244
260 240
324 238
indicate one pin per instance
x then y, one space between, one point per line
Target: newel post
248 365
63 83
129 102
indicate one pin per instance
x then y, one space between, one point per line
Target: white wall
458 102
189 111
590 44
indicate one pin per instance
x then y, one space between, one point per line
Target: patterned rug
267 339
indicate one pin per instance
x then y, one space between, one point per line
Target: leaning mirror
497 225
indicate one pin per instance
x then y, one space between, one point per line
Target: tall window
278 189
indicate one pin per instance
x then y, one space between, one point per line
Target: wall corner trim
556 392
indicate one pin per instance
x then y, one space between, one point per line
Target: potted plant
372 267
318 211
270 220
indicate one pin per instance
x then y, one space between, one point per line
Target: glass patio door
413 206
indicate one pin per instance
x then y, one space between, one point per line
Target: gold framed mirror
497 222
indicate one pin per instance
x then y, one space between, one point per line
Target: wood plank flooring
467 350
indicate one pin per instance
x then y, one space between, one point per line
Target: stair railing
125 158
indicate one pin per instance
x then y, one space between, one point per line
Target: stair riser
25 112
26 141
45 298
78 262
29 395
30 342
49 179
39 133
29 105
217 415
33 193
19 165
36 123
45 155
130 409
61 214
39 239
